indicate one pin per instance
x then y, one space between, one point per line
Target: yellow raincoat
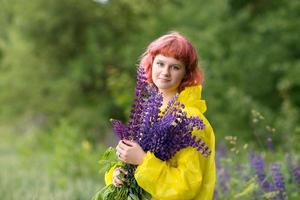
188 175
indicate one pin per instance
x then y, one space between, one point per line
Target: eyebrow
176 64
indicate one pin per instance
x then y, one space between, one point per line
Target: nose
165 71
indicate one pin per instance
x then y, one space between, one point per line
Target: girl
171 64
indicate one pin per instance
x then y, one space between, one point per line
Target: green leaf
97 196
108 160
251 185
146 196
133 196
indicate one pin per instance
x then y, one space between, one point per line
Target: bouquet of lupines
161 132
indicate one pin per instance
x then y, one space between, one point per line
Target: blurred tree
77 59
248 53
58 58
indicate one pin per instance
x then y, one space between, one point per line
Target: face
167 73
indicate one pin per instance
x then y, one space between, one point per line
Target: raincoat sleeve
164 181
108 176
180 179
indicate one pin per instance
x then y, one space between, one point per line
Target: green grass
28 177
63 166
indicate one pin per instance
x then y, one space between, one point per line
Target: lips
163 79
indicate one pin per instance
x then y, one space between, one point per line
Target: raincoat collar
191 97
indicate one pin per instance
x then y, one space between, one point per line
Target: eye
175 67
159 63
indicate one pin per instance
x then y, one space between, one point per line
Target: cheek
183 74
152 76
154 71
179 77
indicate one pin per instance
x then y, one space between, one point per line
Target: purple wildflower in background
218 161
216 195
219 154
222 150
289 162
224 180
278 180
239 167
294 170
257 163
269 143
296 174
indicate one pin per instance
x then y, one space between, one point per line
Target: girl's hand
116 181
130 152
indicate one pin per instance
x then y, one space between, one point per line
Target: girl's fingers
121 151
128 142
117 182
121 145
119 170
124 171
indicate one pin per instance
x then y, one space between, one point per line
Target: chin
163 87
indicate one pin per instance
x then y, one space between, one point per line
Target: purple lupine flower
162 133
135 117
294 170
224 177
296 174
219 170
269 143
289 162
121 130
222 150
171 132
257 163
239 167
278 180
215 196
221 153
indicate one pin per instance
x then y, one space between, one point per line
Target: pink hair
177 46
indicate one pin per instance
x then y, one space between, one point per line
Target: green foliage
108 159
28 174
77 60
60 58
72 153
130 190
250 187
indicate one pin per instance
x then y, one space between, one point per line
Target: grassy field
28 176
67 169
